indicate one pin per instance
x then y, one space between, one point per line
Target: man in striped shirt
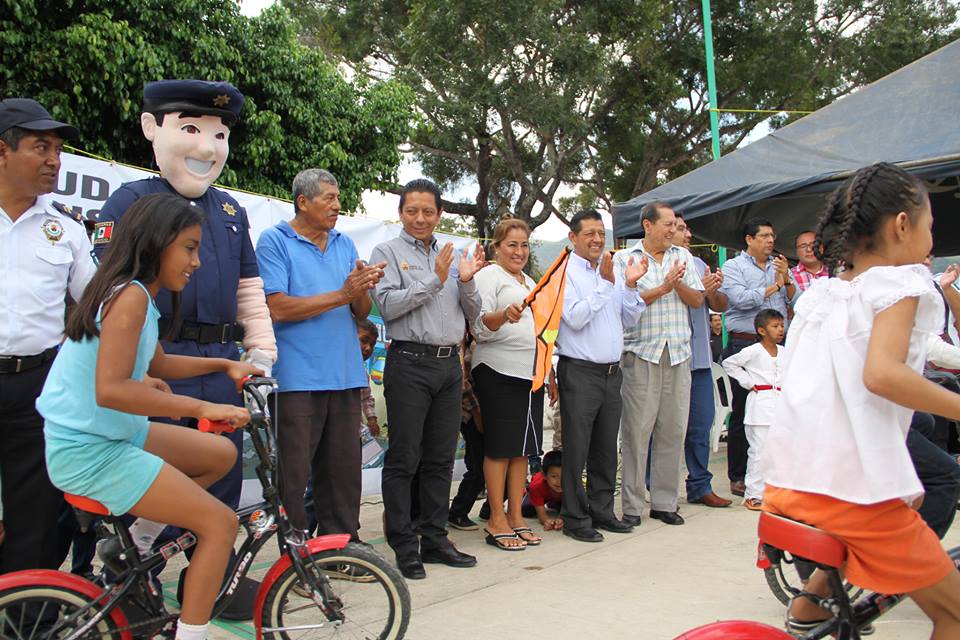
656 368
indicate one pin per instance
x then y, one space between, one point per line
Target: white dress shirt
595 312
830 435
751 367
43 255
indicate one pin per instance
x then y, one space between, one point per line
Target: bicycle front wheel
42 612
369 593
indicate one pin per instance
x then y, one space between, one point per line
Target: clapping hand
782 266
712 281
949 276
635 270
470 265
675 275
362 278
606 266
442 264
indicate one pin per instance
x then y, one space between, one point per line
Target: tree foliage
528 98
87 62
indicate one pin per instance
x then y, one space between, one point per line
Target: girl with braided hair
835 456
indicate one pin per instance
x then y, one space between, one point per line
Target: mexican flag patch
102 232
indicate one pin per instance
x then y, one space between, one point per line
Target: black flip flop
530 543
494 540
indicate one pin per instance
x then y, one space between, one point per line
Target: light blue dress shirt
595 313
744 283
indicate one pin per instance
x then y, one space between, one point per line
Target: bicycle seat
86 504
801 540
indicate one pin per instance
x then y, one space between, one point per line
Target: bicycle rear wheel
42 612
368 591
786 578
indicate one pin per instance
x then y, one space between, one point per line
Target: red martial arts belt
765 387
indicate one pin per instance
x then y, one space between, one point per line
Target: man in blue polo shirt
316 286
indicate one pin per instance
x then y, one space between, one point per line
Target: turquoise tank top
68 402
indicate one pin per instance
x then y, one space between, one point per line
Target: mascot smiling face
190 149
188 122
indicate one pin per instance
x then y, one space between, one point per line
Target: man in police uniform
188 122
44 255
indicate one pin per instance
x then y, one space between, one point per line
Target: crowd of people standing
633 377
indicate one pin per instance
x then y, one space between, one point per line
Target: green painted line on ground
239 629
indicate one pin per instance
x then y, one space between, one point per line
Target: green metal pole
714 116
711 81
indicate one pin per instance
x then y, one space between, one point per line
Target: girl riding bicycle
835 456
99 442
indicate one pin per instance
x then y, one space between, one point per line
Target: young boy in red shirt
544 493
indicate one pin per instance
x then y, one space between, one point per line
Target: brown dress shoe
712 500
738 487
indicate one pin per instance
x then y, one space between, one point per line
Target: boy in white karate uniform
757 368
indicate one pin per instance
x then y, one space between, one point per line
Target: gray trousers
656 402
590 413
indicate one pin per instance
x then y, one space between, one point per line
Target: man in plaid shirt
656 368
809 268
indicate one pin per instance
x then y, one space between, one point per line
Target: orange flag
546 302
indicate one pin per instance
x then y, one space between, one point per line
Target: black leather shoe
613 526
449 556
669 517
411 567
633 521
584 534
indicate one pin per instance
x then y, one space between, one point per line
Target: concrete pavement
653 583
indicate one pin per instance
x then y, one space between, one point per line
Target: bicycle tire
285 613
64 601
794 575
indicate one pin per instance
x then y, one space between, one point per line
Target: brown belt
742 336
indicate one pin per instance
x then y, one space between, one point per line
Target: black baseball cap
28 114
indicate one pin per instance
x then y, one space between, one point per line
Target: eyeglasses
806 245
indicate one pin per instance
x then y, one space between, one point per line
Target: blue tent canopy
910 117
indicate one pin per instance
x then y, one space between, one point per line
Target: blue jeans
696 446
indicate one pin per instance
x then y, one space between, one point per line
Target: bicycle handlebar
214 426
251 385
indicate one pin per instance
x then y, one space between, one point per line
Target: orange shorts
890 549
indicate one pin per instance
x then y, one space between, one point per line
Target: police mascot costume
188 122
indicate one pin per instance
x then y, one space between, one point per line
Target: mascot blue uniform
188 122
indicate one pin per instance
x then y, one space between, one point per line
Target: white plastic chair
721 410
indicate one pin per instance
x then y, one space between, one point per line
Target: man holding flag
596 307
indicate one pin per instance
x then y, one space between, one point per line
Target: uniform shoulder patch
102 232
63 209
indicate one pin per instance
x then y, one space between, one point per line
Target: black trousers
319 440
31 504
736 435
423 395
938 472
472 483
590 408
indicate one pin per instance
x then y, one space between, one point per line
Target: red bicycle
318 588
779 535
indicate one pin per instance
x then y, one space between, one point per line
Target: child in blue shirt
95 403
